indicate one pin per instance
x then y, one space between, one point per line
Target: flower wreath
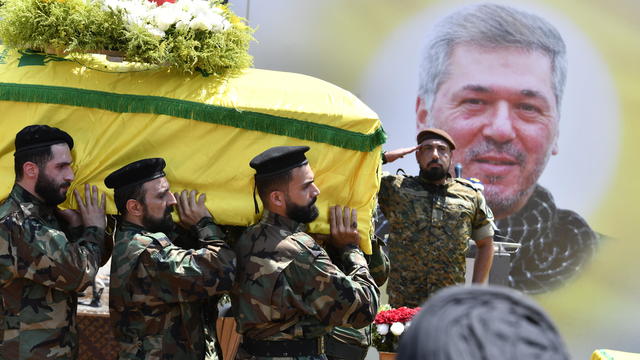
186 34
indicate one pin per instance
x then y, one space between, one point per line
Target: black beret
279 159
137 172
40 136
433 133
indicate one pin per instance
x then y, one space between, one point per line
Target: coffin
207 128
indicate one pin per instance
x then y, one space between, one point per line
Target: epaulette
473 183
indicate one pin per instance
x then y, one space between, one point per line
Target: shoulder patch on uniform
473 183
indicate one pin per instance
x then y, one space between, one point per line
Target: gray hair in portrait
489 25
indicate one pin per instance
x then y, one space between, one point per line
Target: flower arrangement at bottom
189 35
390 323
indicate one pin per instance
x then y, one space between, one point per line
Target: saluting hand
394 155
344 226
191 210
91 210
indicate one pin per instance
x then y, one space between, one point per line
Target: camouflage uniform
430 226
359 340
160 295
41 270
288 288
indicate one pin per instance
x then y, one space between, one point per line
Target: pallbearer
47 255
163 283
288 293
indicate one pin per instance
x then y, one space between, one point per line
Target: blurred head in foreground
481 322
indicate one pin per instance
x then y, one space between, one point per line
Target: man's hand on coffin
191 208
344 227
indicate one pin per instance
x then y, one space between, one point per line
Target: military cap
40 136
433 133
136 172
278 160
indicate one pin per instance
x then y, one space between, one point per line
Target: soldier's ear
30 170
276 198
134 207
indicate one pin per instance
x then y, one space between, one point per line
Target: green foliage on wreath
62 25
387 343
79 26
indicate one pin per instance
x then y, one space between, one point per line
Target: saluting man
288 293
163 285
432 217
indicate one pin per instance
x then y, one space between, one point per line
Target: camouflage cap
40 136
136 172
433 133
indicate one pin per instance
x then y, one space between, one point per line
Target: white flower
397 328
383 329
217 10
135 15
164 17
199 7
157 33
134 20
183 19
200 23
218 22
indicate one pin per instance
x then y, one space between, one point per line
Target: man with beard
493 77
288 293
47 255
431 218
162 294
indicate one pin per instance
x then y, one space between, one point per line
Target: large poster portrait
494 77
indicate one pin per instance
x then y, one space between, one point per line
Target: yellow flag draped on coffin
207 128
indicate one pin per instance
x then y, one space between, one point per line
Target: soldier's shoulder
255 228
6 207
19 217
157 239
470 183
134 240
400 181
246 238
307 244
11 212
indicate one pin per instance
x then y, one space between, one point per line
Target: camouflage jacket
287 287
430 226
379 269
41 270
160 295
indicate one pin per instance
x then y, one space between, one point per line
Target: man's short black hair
266 185
123 194
33 144
39 156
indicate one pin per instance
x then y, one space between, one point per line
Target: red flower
402 314
160 2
